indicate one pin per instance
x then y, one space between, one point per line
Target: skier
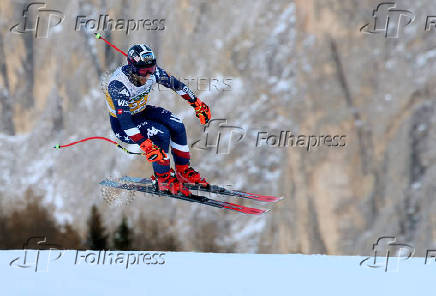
153 128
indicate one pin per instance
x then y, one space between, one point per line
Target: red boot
186 174
168 182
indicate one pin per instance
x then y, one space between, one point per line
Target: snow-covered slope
301 66
210 274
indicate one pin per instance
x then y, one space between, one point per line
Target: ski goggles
148 58
148 64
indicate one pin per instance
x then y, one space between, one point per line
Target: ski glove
152 151
202 111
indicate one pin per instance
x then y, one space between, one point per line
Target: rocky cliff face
299 66
379 92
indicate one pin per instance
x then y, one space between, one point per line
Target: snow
282 85
286 19
388 97
249 229
209 274
57 29
422 127
423 59
416 185
219 43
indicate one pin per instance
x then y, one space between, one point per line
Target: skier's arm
202 111
120 96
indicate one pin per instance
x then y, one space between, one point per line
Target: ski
192 198
212 189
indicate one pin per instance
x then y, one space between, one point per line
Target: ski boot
187 175
169 183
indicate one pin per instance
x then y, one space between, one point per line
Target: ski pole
98 36
97 138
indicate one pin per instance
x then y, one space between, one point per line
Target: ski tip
259 211
97 35
265 198
266 211
270 198
57 146
252 211
260 197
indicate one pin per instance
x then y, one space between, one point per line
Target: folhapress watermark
126 259
37 18
39 254
220 137
288 139
104 22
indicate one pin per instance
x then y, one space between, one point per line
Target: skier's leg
178 138
179 144
160 136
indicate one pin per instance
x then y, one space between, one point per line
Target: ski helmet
142 59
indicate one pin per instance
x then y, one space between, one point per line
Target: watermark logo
388 253
387 249
34 258
219 135
388 20
38 19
